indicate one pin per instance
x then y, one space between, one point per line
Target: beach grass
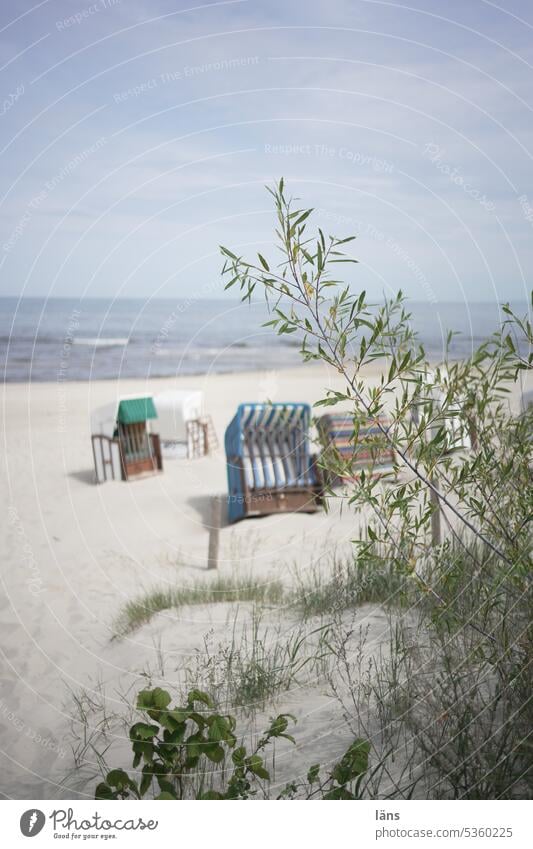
326 587
345 584
259 662
140 610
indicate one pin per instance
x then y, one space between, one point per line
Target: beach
76 552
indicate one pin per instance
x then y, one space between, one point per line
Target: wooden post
214 531
435 501
435 516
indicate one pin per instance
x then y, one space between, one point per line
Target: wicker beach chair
269 464
349 447
124 447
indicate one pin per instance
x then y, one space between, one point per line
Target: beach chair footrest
264 502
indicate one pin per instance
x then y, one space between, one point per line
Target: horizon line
236 300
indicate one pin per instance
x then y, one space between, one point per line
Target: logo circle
32 822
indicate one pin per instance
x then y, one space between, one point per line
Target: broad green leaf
313 773
238 756
255 765
214 752
103 791
143 731
219 729
200 696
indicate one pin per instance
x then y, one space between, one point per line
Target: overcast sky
136 137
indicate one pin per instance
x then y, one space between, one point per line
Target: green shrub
182 743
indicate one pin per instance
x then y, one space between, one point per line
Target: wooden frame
112 463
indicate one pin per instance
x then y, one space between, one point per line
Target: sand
74 553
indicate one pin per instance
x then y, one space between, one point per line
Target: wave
101 341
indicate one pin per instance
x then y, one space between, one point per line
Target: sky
135 137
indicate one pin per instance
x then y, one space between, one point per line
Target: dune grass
344 584
140 610
326 588
258 663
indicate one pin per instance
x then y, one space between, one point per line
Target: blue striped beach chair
269 463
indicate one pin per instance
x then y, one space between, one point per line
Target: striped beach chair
269 464
349 447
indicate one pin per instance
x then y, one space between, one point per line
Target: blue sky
136 137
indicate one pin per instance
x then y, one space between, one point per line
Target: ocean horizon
45 339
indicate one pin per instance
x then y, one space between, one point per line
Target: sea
97 339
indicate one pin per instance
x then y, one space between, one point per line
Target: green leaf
121 780
161 699
326 402
195 745
179 714
103 791
238 756
356 261
199 696
227 252
263 262
279 725
165 785
339 793
214 752
313 773
166 796
175 737
353 763
118 778
199 718
145 700
168 721
255 765
219 729
303 217
143 731
147 776
143 748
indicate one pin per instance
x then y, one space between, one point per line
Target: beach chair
460 432
269 464
123 445
184 428
348 449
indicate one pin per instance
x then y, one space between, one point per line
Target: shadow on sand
203 504
84 476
